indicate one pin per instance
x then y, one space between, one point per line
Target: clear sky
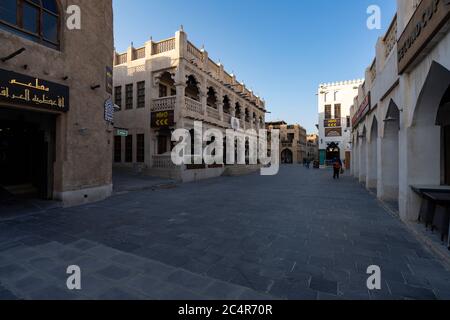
281 49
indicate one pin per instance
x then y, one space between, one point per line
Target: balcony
163 104
194 106
227 118
213 113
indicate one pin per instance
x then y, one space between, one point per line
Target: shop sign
363 110
429 17
162 119
109 110
21 89
332 123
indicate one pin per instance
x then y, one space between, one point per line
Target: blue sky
282 49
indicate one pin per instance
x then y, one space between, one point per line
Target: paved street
292 236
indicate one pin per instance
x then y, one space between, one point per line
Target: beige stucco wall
82 170
411 156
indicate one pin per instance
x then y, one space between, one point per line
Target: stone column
180 104
220 103
203 96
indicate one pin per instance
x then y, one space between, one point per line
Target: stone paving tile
324 285
223 234
114 272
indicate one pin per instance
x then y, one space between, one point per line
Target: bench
435 209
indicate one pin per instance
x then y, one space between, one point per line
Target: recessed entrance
333 152
287 157
26 154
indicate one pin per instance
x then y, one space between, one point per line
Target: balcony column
180 104
220 104
204 96
244 124
233 106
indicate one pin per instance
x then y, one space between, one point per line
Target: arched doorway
287 157
390 155
333 152
426 140
372 158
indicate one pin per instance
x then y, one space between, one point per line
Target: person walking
337 166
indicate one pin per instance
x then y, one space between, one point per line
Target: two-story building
293 149
55 81
312 147
167 85
401 116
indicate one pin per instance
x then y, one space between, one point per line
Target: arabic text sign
21 89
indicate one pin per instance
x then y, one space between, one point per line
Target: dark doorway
443 120
287 157
26 154
333 152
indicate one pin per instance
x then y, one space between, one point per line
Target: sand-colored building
54 140
293 147
401 116
312 147
167 85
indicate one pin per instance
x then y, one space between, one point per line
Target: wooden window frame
39 36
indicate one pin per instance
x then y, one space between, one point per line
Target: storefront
55 128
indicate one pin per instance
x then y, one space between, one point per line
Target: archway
192 88
333 152
390 155
355 157
424 141
211 99
372 156
226 105
287 157
443 120
362 156
166 85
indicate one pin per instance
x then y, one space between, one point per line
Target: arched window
36 20
192 88
211 100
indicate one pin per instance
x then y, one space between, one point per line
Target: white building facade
401 116
168 85
334 103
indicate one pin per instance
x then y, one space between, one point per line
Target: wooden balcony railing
213 113
194 106
122 58
164 46
194 52
163 104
